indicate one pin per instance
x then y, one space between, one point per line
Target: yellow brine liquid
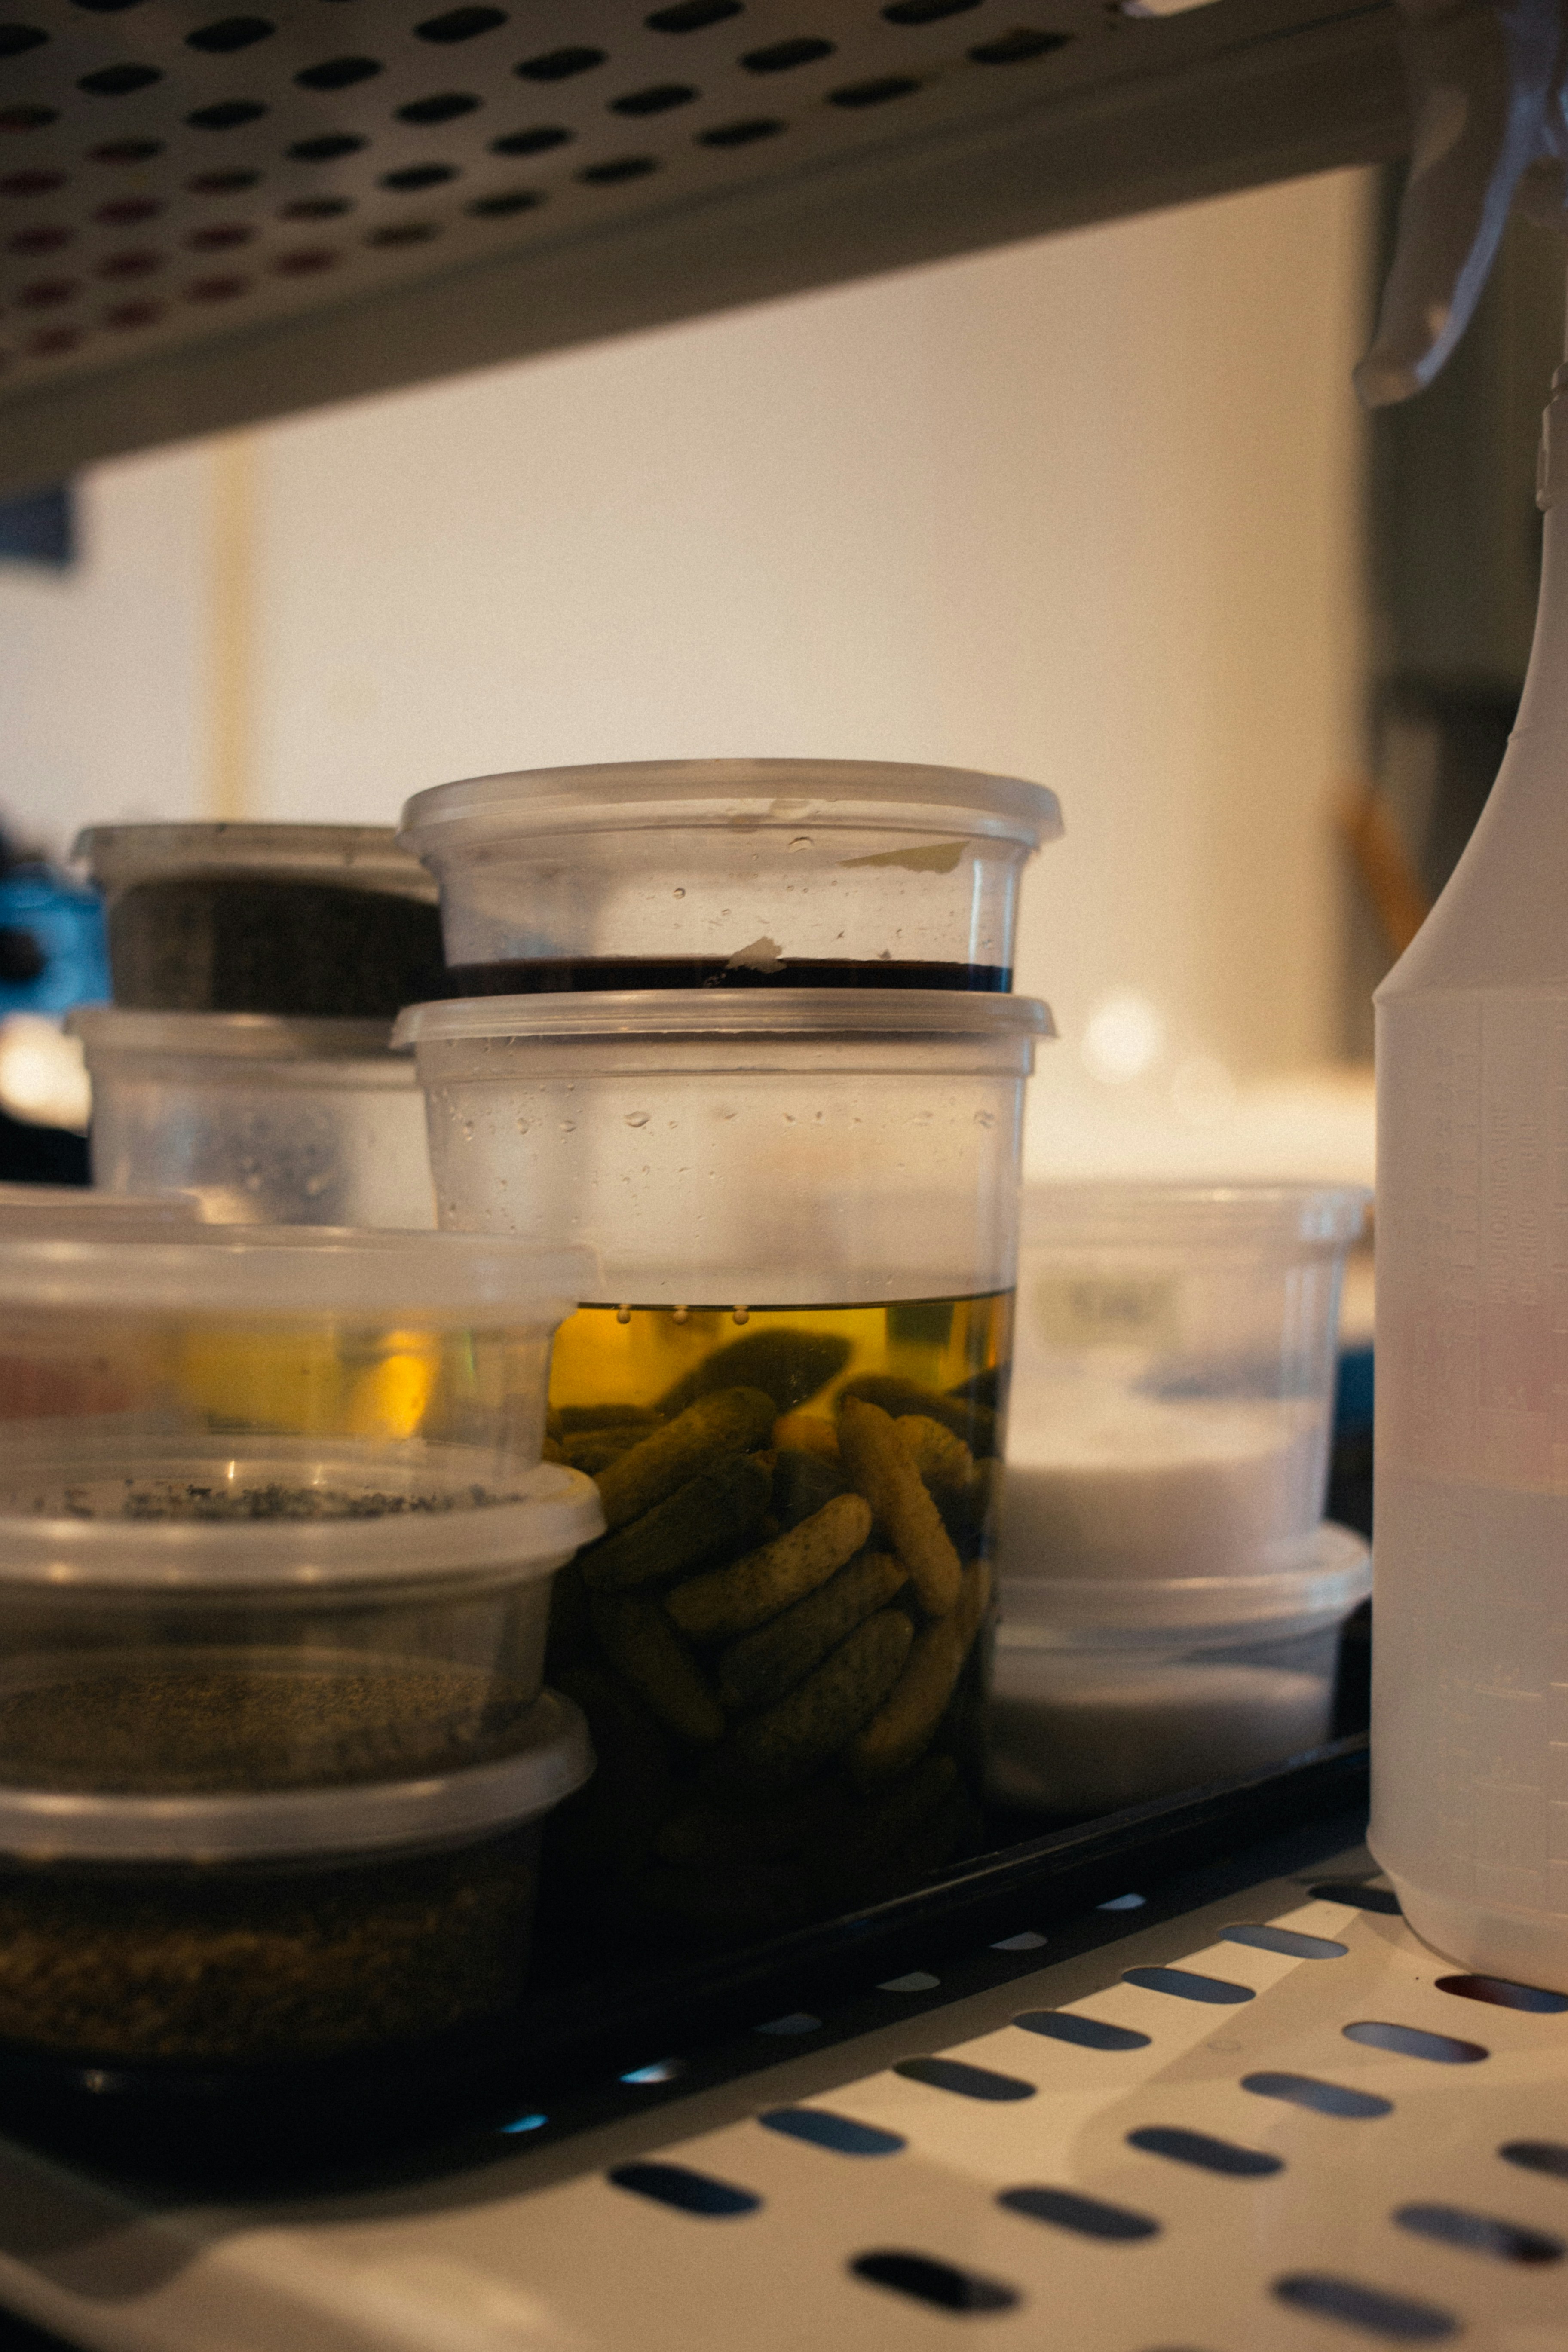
780 1643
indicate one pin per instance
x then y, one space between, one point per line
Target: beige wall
1083 510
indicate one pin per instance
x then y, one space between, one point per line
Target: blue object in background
40 529
1354 1391
53 948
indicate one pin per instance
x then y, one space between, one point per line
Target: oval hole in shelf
688 2191
1322 2098
927 2279
966 2082
1499 1993
1413 2041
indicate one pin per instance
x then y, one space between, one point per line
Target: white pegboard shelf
1198 2134
213 214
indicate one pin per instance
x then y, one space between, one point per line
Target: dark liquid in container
566 975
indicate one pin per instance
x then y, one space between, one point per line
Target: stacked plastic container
745 1027
276 1550
1172 1598
257 970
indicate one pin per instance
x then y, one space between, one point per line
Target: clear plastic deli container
1173 1386
290 1474
1111 1693
277 1924
386 1342
791 1391
268 1121
729 874
330 922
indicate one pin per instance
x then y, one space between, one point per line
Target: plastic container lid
353 856
106 1031
799 1015
540 1518
555 1757
1127 1613
875 794
44 1210
1129 1214
301 1270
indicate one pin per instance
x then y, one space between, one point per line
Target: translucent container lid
44 1211
318 1271
353 856
554 1757
323 1052
1333 1575
1129 1214
801 1015
435 1512
450 819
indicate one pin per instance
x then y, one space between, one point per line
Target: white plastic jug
1470 1678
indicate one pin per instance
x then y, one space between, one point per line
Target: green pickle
780 1644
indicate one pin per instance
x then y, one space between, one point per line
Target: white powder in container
1104 1482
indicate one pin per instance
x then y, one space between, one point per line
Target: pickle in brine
750 1590
717 1509
790 1365
761 1666
822 1712
730 1420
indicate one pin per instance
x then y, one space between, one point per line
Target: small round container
383 1342
1173 1381
266 1121
328 921
799 1199
276 1926
729 874
1111 1694
180 1619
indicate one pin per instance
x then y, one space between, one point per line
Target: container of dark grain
729 874
329 921
258 1920
791 1392
264 1120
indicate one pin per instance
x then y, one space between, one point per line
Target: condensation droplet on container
682 1313
568 1126
739 1314
467 1130
523 1124
623 1314
984 1118
637 1118
801 841
681 894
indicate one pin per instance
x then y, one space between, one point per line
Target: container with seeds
790 1390
284 1483
306 921
277 1922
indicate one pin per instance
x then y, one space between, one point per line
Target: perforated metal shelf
1271 2120
211 214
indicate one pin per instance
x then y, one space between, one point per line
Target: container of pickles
263 1120
776 874
791 1393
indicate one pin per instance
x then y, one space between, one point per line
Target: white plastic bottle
1470 1675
